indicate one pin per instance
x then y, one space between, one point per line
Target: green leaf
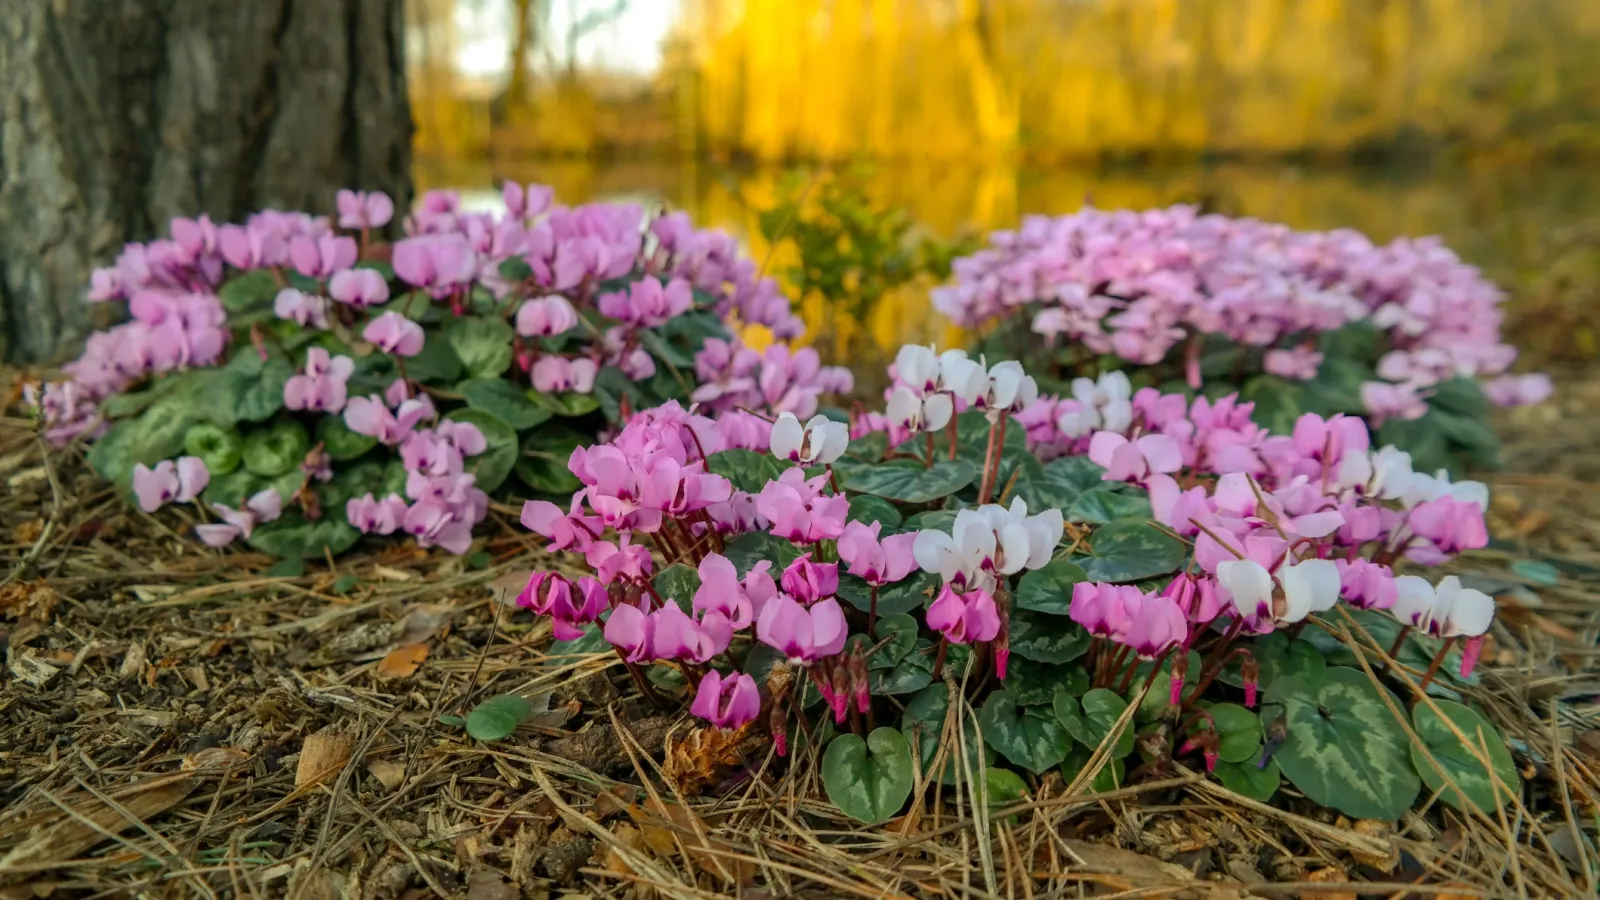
1275 656
1091 719
1109 778
923 728
902 596
909 675
437 362
593 640
497 717
866 509
870 447
1130 550
1537 571
293 536
291 567
495 462
1059 484
542 464
932 520
1031 738
1102 505
452 721
1046 638
748 470
501 398
1004 787
567 404
349 481
1049 589
1249 780
678 582
276 449
1344 749
747 549
1462 760
247 389
900 630
868 780
220 449
339 441
155 435
1032 683
248 292
1238 732
483 344
1277 402
908 482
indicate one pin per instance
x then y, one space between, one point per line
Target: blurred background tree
120 115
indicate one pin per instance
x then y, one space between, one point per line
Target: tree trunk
117 115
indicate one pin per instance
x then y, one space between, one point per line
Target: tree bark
117 115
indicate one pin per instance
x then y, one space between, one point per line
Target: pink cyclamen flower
1099 608
720 591
394 333
308 310
360 209
876 562
728 702
372 417
321 256
621 560
565 531
1450 524
526 202
1299 364
557 374
546 316
572 610
677 636
372 516
1366 585
262 507
802 634
438 263
1518 390
1392 401
1155 624
964 618
1137 460
809 581
798 511
360 288
322 385
169 482
646 303
630 629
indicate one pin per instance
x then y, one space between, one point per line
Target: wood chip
30 669
68 836
133 661
388 772
323 754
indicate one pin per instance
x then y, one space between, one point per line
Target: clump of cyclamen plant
390 387
1277 529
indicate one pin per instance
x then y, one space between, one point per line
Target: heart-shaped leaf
593 640
497 717
341 443
900 630
437 362
868 780
543 456
1030 737
923 727
501 398
1250 780
750 548
482 343
866 509
677 582
1059 483
1102 505
1049 589
1132 549
1462 760
1033 683
1004 787
1275 656
900 597
567 404
1238 732
221 449
869 447
1109 778
247 389
913 673
1045 638
496 461
292 536
1092 719
1344 749
909 482
277 449
932 520
748 470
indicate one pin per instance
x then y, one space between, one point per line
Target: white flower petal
786 436
1318 578
1248 582
936 411
1414 598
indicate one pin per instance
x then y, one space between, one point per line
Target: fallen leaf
93 819
1331 876
215 759
487 884
423 621
402 661
506 588
628 836
1383 831
701 758
322 754
133 661
388 772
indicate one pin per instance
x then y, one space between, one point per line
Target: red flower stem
950 430
988 463
1399 641
1214 660
938 657
872 611
1433 667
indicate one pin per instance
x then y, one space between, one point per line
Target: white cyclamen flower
820 442
1448 610
917 368
1308 587
1009 387
929 412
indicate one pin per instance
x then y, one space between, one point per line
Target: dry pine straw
177 723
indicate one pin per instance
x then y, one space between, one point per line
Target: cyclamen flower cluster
1138 284
574 291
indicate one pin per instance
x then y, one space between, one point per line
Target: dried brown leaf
402 662
215 759
322 755
1331 876
702 758
388 772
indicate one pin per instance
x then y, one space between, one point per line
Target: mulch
179 721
